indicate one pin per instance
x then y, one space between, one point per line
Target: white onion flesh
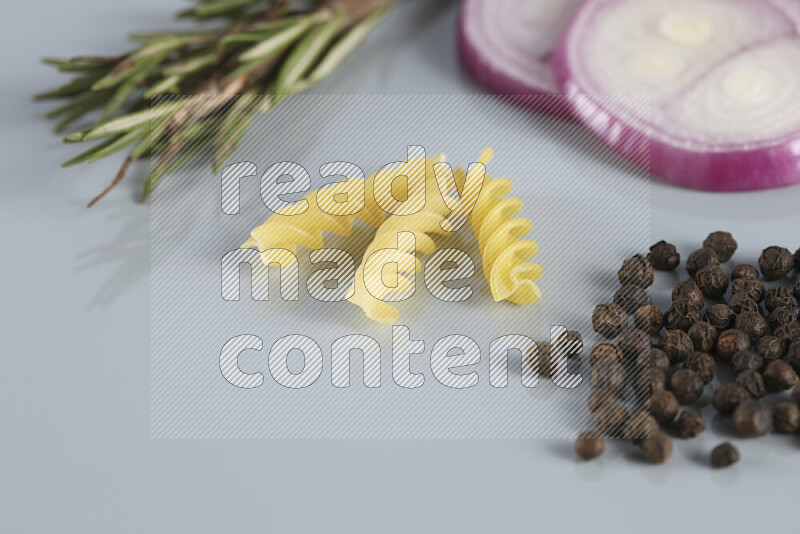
721 80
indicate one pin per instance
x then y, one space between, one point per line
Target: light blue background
75 452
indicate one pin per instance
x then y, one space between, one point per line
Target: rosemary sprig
270 47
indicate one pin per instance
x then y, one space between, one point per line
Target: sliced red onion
722 79
507 45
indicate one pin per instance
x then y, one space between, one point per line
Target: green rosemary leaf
71 88
143 69
128 67
217 8
270 26
127 122
106 148
278 41
116 76
74 115
85 102
166 86
87 64
192 140
244 68
265 103
245 38
349 42
155 130
169 44
157 36
190 65
232 128
80 158
120 143
232 140
307 53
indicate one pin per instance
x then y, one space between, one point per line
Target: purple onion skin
740 170
501 84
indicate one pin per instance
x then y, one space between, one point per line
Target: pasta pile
391 261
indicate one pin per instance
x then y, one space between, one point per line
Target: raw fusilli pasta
393 244
500 240
283 231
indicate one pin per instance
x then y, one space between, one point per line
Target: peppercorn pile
656 361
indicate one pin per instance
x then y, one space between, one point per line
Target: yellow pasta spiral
500 242
369 286
288 232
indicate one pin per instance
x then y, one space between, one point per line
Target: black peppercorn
636 271
792 356
704 336
796 286
753 324
753 382
640 378
750 287
701 258
664 256
778 296
720 316
609 418
781 315
786 417
605 351
677 344
569 343
657 449
589 445
788 332
634 342
649 318
723 244
640 426
681 315
744 360
752 418
779 376
631 298
703 364
712 281
688 290
741 303
744 270
658 379
608 320
543 359
724 455
686 385
659 359
690 424
727 397
730 342
600 396
770 348
608 374
775 262
664 406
